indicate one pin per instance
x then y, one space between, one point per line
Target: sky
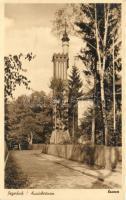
28 29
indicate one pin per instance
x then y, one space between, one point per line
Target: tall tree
13 76
14 73
99 32
30 116
99 25
60 90
75 91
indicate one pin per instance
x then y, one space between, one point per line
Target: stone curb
85 171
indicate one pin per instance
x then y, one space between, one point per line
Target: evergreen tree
101 32
100 29
75 91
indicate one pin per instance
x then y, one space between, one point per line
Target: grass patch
14 177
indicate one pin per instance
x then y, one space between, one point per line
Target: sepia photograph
63 96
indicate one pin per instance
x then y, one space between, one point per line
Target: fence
102 156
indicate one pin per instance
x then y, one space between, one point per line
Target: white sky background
28 29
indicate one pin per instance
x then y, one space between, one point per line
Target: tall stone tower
60 67
61 60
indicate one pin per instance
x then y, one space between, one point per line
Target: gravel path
45 173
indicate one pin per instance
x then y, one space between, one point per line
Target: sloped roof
65 37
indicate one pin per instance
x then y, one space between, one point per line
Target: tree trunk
93 126
101 69
93 118
114 97
31 138
106 13
76 118
103 109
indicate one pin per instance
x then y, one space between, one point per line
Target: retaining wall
102 156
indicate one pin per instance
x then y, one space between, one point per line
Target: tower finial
65 40
65 35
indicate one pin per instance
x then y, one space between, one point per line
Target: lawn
14 177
